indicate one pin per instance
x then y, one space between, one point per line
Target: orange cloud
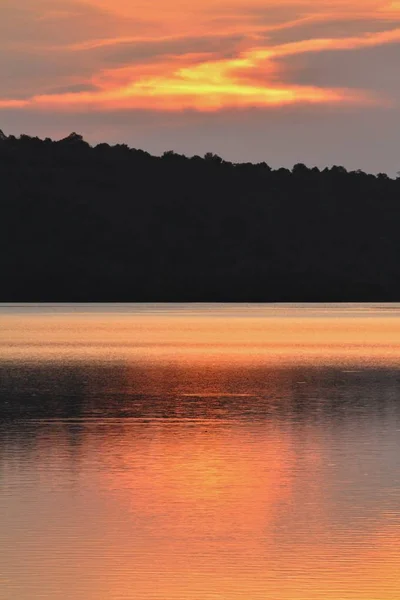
247 74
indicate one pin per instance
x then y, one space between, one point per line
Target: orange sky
116 57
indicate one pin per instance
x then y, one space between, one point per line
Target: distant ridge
112 223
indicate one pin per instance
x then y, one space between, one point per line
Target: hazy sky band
63 59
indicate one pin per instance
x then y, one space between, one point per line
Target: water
200 452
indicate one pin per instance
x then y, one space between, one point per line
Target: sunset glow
151 74
216 55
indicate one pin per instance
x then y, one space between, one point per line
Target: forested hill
110 223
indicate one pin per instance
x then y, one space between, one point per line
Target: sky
281 81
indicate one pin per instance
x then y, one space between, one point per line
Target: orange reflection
211 507
205 475
250 336
210 512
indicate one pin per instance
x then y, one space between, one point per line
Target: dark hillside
110 223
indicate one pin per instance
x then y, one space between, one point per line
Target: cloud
187 66
43 23
33 36
132 55
205 83
363 68
334 27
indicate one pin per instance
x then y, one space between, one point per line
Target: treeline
111 223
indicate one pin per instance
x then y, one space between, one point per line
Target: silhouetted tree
113 223
209 156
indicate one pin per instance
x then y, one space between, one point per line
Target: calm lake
200 452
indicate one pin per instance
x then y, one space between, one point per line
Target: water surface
200 452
